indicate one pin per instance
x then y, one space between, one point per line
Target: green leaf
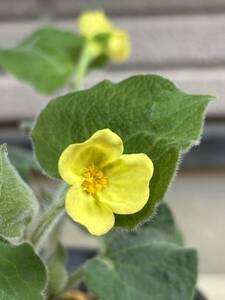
57 273
46 59
155 272
22 273
17 202
149 113
146 264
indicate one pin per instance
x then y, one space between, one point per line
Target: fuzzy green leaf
17 201
149 113
156 272
46 59
147 264
22 273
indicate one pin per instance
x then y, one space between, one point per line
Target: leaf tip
3 148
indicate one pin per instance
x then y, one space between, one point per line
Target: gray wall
183 40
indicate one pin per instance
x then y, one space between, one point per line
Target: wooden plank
12 32
19 101
70 7
194 198
158 42
213 285
18 9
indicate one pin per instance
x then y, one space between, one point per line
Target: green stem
74 279
82 68
48 219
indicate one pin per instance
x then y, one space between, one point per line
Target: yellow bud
93 23
119 45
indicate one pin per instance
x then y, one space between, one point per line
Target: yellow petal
103 147
93 23
83 208
128 178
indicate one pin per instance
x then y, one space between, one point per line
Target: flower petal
83 208
128 178
103 147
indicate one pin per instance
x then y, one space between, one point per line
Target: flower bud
94 23
119 45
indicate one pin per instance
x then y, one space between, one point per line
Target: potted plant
114 149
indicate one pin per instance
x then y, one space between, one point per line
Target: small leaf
57 273
46 59
147 264
22 273
149 113
17 202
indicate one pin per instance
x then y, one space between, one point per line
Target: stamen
94 180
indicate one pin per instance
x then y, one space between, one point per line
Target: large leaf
22 273
156 272
149 113
146 265
46 59
17 202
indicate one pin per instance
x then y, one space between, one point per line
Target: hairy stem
74 279
48 219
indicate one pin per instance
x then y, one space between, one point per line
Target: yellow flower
119 45
104 181
93 23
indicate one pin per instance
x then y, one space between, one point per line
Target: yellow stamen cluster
94 179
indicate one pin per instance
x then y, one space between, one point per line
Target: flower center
94 179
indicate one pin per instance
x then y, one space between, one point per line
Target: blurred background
182 40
